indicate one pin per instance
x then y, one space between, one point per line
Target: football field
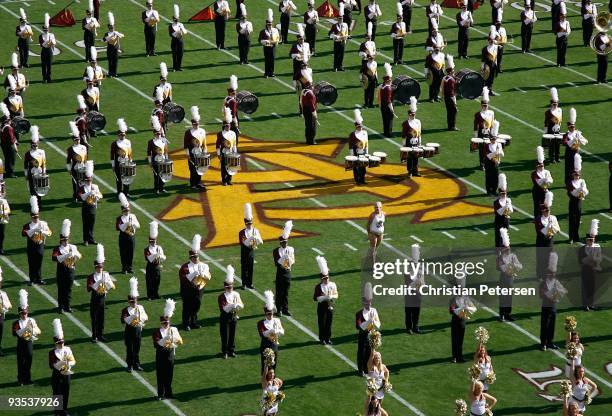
285 179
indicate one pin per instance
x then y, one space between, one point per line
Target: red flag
205 15
327 10
456 4
63 18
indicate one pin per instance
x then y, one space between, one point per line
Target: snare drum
436 147
41 185
373 161
232 163
201 161
81 170
404 153
416 152
127 171
381 155
166 169
362 161
350 162
505 137
428 152
475 144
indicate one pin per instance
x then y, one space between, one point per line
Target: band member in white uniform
230 305
284 259
411 133
244 28
509 268
47 42
90 26
99 283
249 238
61 362
26 331
154 257
36 232
226 143
150 18
193 278
126 224
326 295
66 256
165 340
134 318
358 146
25 35
177 32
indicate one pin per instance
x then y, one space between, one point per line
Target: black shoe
158 398
225 356
85 243
196 326
322 342
41 282
460 360
59 310
93 242
454 360
129 369
130 270
329 342
595 308
542 347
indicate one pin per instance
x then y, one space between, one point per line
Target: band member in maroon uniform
194 143
230 305
8 142
493 157
249 238
99 283
433 11
150 18
24 35
562 31
26 331
369 80
358 146
47 42
61 361
464 22
157 152
81 121
134 318
126 224
576 191
36 232
165 340
398 33
66 256
366 320
34 161
222 13
572 140
284 259
411 133
449 92
386 101
232 103
483 122
339 33
89 195
226 143
308 105
89 24
528 18
270 330
193 277
509 267
121 152
434 64
372 12
154 256
488 58
177 32
326 295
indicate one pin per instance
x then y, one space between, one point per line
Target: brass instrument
603 21
70 261
511 270
253 242
65 368
593 44
136 320
507 211
129 230
28 332
170 341
93 197
101 288
332 301
200 281
581 194
38 236
273 336
286 263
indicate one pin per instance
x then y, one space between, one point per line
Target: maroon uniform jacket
156 337
184 282
90 282
548 118
308 100
263 35
449 86
232 104
71 157
52 359
151 148
359 319
124 314
8 134
81 122
386 94
222 301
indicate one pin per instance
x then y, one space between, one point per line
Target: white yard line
605 215
76 283
132 129
571 84
316 250
520 90
276 115
246 117
218 120
350 247
514 228
546 87
449 235
143 271
483 232
178 266
51 2
415 238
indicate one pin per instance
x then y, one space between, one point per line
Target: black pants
192 301
311 36
500 57
25 350
35 257
398 50
153 279
225 177
547 325
9 159
164 367
127 244
97 304
112 54
537 194
60 386
457 334
387 119
120 186
434 87
227 328
46 57
555 11
88 38
602 68
247 258
492 71
500 222
587 31
407 16
310 127
491 176
2 318
325 317
451 112
88 215
65 280
463 41
494 14
284 32
368 93
244 44
412 164
505 301
373 28
561 50
132 338
526 31
359 174
411 318
575 213
24 51
338 55
266 343
194 177
269 55
158 184
553 150
569 163
149 33
2 228
363 351
220 32
587 275
177 53
282 293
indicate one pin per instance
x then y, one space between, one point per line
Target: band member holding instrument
434 39
367 49
372 12
26 331
126 224
270 330
157 152
177 32
501 40
194 143
494 152
433 11
551 292
222 13
541 179
226 143
154 256
193 277
66 256
232 103
90 195
230 305
150 18
590 258
398 33
412 305
369 80
358 146
588 12
339 33
8 142
244 28
90 26
483 122
528 18
562 31
113 46
47 42
366 320
349 6
76 159
311 18
386 101
434 71
269 38
249 238
326 295
164 86
81 122
502 208
376 228
460 308
34 161
98 284
14 101
601 45
5 306
16 78
552 125
449 92
284 259
298 51
576 191
61 361
24 35
91 93
509 267
158 111
134 318
286 8
407 13
572 140
5 212
411 133
497 6
546 224
464 22
165 340
308 106
36 232
121 152
488 67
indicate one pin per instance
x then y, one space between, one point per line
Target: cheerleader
376 227
379 372
570 409
576 362
581 388
270 384
480 401
373 407
483 360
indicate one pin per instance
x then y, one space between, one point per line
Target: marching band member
572 140
308 105
339 33
66 256
551 292
232 103
47 42
244 28
497 7
222 13
483 122
249 238
14 101
24 35
602 43
552 124
501 40
555 12
576 191
134 318
588 12
165 340
284 259
488 58
349 6
376 228
91 93
372 12
434 71
154 256
326 295
379 372
562 31
158 111
285 7
98 283
311 18
480 401
367 49
5 212
157 152
177 32
541 179
194 143
494 152
113 46
36 232
26 331
61 361
461 307
546 224
366 320
164 86
386 101
407 13
358 146
9 142
150 18
90 195
81 122
76 157
412 305
269 38
90 26
465 20
411 133
34 161
121 152
528 18
270 330
434 39
230 305
581 386
226 143
193 277
298 51
433 11
590 258
5 306
369 81
98 74
502 208
126 224
449 92
509 267
16 78
398 33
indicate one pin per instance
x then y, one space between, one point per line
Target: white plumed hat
300 30
540 154
548 199
47 19
163 70
177 11
563 8
553 260
270 17
341 10
5 111
195 244
269 301
485 95
495 129
23 300
368 292
153 230
155 124
91 6
358 118
81 101
502 182
413 105
90 74
195 113
58 331
572 113
322 263
500 14
227 115
594 230
399 10
577 163
233 82
388 70
133 287
369 30
123 200
505 237
169 308
287 230
229 276
34 134
415 252
89 168
450 61
434 24
66 228
121 125
74 130
554 95
159 94
243 9
111 19
248 212
14 60
93 53
100 258
22 13
34 209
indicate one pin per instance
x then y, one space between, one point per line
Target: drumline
365 161
547 139
477 143
427 151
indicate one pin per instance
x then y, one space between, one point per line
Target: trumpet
136 321
38 236
92 198
507 211
511 270
581 194
129 230
65 368
102 289
70 261
28 332
286 263
254 242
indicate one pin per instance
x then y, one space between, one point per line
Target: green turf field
438 210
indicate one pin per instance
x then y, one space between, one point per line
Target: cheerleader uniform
577 361
479 406
378 224
485 369
579 392
380 378
272 388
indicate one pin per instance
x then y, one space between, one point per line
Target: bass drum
96 121
21 125
405 87
326 93
174 113
469 84
247 102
